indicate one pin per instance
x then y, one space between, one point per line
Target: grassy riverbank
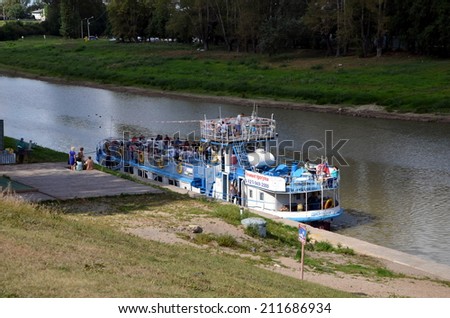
47 253
38 153
398 82
83 248
144 246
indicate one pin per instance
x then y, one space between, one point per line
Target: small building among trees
38 14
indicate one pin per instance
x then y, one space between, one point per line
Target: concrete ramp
54 181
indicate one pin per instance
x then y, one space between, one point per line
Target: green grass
49 254
281 240
77 248
38 153
367 271
324 246
401 83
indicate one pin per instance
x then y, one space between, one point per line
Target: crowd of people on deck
322 173
238 127
159 149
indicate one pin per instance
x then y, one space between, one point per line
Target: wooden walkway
53 181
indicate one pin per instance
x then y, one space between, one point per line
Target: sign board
302 233
266 182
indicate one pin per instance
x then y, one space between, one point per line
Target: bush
226 241
15 30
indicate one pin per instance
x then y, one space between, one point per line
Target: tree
52 21
202 20
381 23
250 19
345 25
180 26
283 28
70 18
14 9
161 11
321 18
421 25
129 18
198 17
227 16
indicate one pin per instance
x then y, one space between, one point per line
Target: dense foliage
269 26
17 29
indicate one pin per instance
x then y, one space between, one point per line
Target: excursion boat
235 160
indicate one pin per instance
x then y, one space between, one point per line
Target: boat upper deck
237 129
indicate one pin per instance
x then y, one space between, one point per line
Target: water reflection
395 189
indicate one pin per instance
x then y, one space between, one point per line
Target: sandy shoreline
365 111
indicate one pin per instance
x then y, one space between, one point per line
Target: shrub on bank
15 30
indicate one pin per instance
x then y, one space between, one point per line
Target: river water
395 189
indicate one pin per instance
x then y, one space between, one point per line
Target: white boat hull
308 216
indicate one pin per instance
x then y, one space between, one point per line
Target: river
395 189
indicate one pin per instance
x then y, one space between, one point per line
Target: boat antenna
204 127
110 126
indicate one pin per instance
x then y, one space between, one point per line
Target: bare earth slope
414 284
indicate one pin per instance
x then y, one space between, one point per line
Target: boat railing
309 183
235 129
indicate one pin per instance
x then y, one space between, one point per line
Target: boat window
250 193
261 196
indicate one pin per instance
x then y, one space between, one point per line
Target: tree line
268 26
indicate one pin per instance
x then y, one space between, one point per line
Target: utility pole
89 33
81 28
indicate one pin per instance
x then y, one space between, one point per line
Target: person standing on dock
72 158
80 155
21 149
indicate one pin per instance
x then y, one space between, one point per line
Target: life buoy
141 157
180 168
328 204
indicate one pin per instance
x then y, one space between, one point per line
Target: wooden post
1 135
302 260
302 234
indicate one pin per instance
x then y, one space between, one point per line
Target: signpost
302 234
